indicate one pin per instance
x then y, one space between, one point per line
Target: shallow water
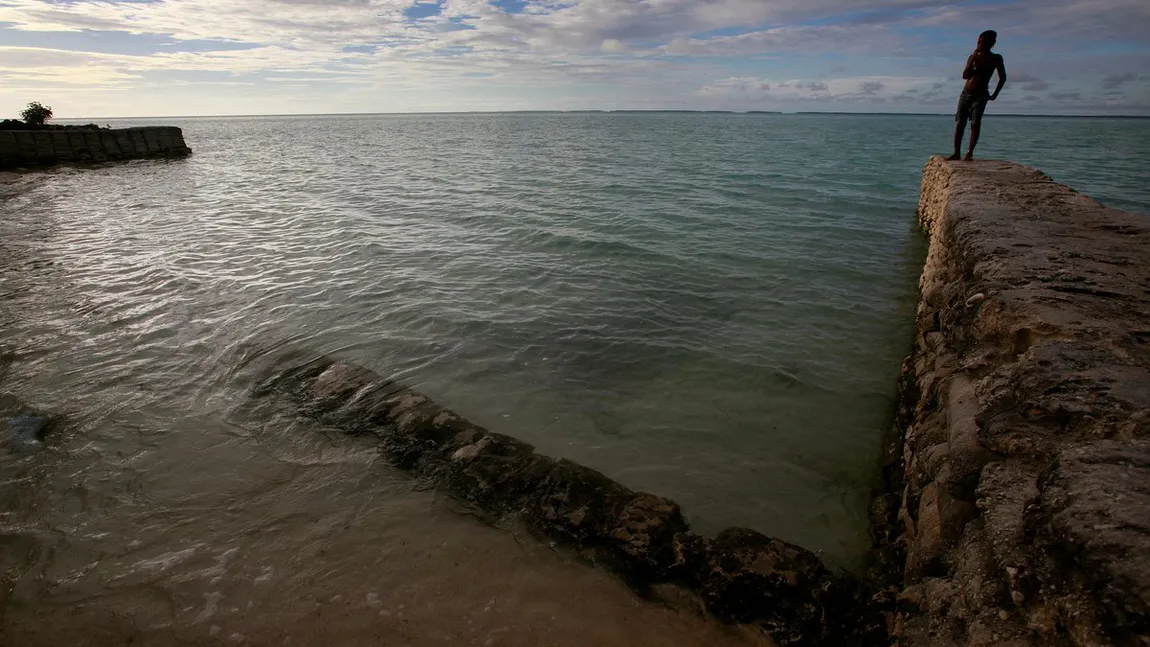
259 529
709 307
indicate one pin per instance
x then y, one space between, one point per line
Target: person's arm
1001 69
968 71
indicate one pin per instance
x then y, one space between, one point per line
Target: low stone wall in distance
1018 505
25 148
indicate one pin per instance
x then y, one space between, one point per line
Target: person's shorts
971 107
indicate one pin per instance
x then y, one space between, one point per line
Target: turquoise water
709 307
1106 159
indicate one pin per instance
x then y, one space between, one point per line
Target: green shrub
36 114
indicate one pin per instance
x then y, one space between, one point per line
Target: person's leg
975 127
959 126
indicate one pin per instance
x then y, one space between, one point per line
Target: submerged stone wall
740 575
22 148
1018 504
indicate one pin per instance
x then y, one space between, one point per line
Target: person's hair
990 35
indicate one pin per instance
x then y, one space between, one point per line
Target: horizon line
610 111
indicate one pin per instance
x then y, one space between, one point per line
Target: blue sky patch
421 10
510 6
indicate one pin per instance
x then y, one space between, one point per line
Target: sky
132 58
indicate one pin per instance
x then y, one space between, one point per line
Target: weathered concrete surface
740 575
1018 509
22 148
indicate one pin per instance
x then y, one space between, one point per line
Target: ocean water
709 307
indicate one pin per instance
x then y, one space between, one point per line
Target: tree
36 114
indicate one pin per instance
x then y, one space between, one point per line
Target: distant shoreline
614 112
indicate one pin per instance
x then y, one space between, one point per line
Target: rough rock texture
741 575
1018 502
20 148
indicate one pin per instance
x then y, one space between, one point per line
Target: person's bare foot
954 157
969 157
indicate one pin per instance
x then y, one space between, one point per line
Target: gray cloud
815 87
1052 22
871 87
803 40
1029 82
1115 81
1066 96
737 86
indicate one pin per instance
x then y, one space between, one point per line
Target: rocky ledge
46 146
1018 504
740 575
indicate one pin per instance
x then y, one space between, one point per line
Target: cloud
614 46
1046 25
1066 96
542 25
737 85
1029 82
838 94
417 54
797 41
1115 81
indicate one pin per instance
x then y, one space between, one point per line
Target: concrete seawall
1018 491
22 148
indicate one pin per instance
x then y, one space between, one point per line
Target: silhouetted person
980 66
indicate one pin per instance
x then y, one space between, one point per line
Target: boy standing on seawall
980 66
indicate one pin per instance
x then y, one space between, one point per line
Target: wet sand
149 548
